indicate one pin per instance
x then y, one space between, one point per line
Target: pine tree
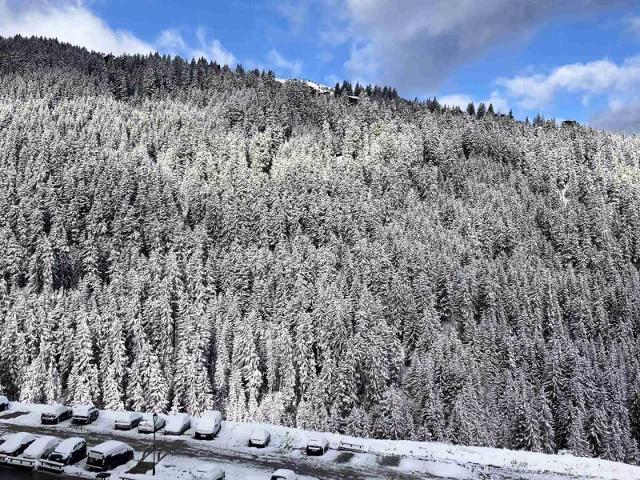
471 109
83 379
482 110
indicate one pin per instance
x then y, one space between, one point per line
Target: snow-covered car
4 403
108 455
284 474
259 438
177 424
317 446
55 414
208 424
209 472
147 425
84 414
69 451
15 444
40 448
127 420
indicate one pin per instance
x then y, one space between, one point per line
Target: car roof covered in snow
82 410
260 434
284 473
127 416
67 446
56 409
208 421
177 420
15 440
3 400
111 447
40 446
209 469
317 442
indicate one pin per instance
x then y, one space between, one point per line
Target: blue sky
577 59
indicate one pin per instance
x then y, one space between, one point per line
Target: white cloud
414 44
623 118
68 22
213 49
363 64
461 100
279 62
74 23
601 77
172 41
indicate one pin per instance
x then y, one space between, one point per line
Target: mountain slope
179 236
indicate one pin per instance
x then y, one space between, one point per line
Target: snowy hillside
178 236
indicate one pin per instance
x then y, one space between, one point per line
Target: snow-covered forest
177 236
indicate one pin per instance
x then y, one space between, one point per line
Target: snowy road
312 467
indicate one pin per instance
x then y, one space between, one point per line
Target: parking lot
258 463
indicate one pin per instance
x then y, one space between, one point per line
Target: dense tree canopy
179 235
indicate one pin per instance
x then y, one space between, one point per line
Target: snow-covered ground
419 459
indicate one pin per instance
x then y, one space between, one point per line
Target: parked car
147 425
4 403
84 414
177 424
127 420
283 474
259 438
55 414
15 444
69 451
317 446
40 448
209 472
209 424
108 455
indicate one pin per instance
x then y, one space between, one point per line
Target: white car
177 424
4 403
209 424
127 420
283 474
147 425
40 448
209 472
259 438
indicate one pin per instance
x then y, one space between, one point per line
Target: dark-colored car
56 414
84 414
16 443
4 403
317 446
108 455
70 451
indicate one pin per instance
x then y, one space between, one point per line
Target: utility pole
155 419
